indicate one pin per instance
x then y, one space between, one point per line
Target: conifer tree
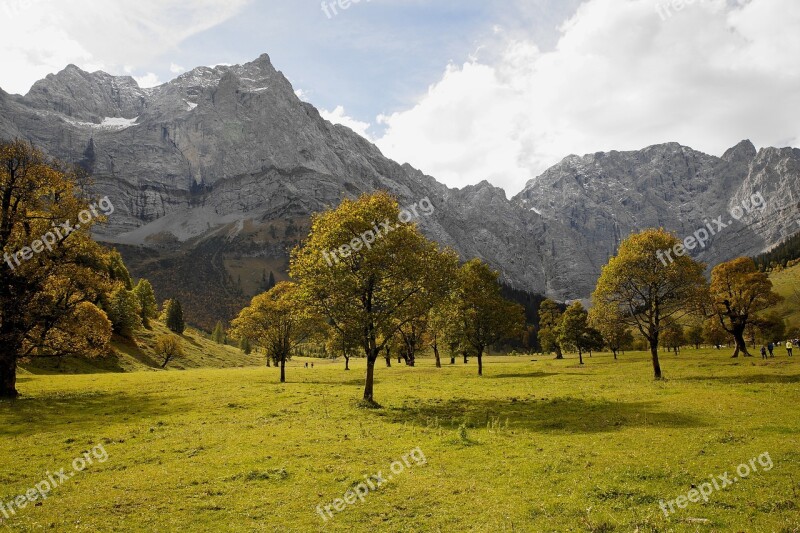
175 317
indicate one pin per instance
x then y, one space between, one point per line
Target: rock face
216 173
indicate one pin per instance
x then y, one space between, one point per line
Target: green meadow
534 445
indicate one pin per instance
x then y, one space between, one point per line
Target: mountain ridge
215 175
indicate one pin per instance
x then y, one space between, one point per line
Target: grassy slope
590 448
785 283
199 352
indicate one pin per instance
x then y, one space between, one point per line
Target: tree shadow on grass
569 415
80 412
524 375
744 380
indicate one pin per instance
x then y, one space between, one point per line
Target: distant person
789 348
306 365
770 347
763 352
312 365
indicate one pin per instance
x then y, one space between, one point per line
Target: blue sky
375 57
467 90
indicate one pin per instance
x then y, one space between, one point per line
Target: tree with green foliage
714 334
616 334
175 321
549 321
218 335
694 336
363 263
147 301
169 347
739 291
125 312
645 291
117 271
483 317
573 330
244 346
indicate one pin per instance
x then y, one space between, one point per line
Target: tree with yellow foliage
279 322
738 291
49 291
384 273
647 293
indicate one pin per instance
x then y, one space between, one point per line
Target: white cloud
176 69
46 35
338 116
148 80
620 78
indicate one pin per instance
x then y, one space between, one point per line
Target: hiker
789 348
763 352
306 365
770 347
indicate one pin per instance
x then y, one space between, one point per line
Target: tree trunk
480 363
346 363
580 356
388 362
436 354
559 354
283 369
654 355
452 359
465 358
741 345
370 379
8 373
615 354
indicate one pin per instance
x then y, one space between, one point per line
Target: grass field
532 446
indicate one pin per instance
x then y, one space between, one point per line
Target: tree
244 346
218 335
771 328
438 321
271 280
412 334
616 334
168 347
592 340
738 291
549 321
695 336
572 332
483 316
714 334
363 264
673 337
278 321
50 272
124 312
147 301
344 344
646 291
174 320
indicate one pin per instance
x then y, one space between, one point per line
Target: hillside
787 284
199 352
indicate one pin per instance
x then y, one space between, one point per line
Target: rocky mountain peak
744 152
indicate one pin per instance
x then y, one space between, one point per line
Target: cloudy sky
465 90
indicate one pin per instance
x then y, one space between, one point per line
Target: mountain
214 177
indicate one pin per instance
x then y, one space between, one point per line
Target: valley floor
532 446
